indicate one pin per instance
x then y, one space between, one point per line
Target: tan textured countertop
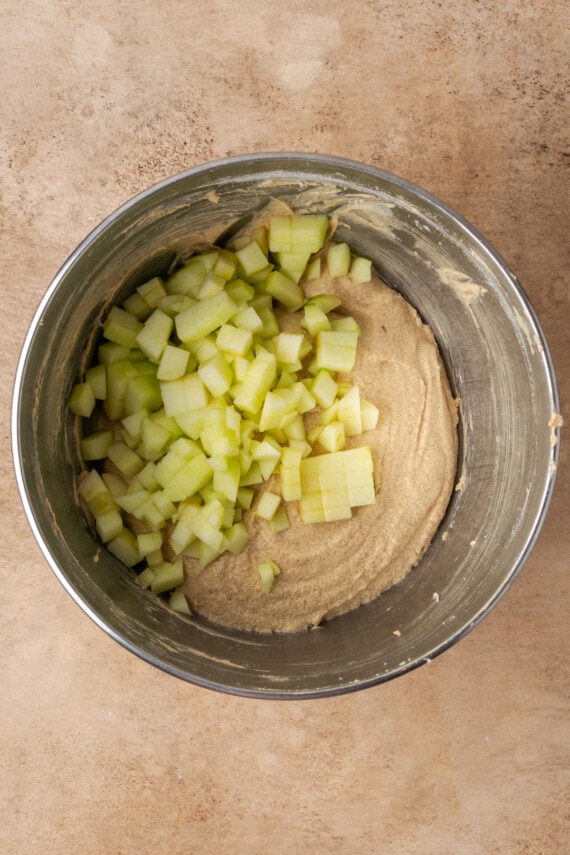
100 752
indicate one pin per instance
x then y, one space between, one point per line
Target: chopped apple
173 363
349 412
96 376
313 269
283 289
152 291
178 603
268 570
168 575
338 259
96 445
267 505
82 400
361 270
205 317
251 259
121 327
154 335
369 414
336 351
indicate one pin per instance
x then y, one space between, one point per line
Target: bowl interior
497 361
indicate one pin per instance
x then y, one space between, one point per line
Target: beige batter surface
330 568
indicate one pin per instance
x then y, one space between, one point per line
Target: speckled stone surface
100 752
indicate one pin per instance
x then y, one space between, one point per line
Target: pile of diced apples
205 397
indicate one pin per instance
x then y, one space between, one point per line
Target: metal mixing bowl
498 364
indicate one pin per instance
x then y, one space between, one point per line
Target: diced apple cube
325 302
142 392
205 317
336 351
268 570
82 400
252 477
132 426
96 445
154 437
206 531
260 375
178 603
226 481
336 504
280 520
109 524
168 575
124 547
292 261
152 291
211 286
173 363
109 352
245 498
153 337
135 305
133 503
237 536
226 265
270 325
289 293
274 408
183 395
313 269
311 508
96 376
296 429
234 340
361 270
346 324
127 461
332 437
308 232
359 470
121 327
280 234
324 388
349 412
216 374
148 542
115 484
91 484
291 474
315 320
240 291
289 346
267 505
251 259
370 414
146 577
298 233
338 259
188 279
192 477
248 319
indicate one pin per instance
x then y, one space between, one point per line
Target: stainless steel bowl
498 364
